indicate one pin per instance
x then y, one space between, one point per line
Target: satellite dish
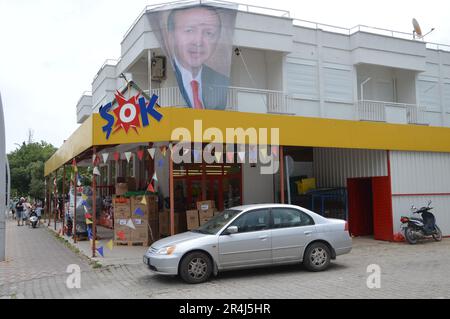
417 29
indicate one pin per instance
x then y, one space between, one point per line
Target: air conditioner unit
158 68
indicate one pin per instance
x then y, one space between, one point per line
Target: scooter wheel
438 235
410 238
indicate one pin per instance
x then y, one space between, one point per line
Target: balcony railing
379 111
238 99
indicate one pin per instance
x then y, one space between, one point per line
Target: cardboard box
125 230
205 205
150 209
192 220
204 221
121 189
140 233
121 208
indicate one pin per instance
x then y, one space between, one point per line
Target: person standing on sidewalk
19 211
26 211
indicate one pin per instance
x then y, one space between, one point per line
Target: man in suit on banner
194 34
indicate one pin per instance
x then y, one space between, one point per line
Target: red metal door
382 208
360 216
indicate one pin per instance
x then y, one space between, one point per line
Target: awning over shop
293 131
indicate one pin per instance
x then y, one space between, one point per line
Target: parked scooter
420 228
33 219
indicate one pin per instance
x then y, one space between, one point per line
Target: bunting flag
84 202
78 180
84 197
139 211
109 245
151 151
116 156
89 231
128 156
121 235
241 156
163 150
105 157
87 215
85 209
197 156
144 201
94 157
140 154
230 157
263 152
88 222
218 156
130 224
275 150
96 171
161 163
155 178
100 251
150 188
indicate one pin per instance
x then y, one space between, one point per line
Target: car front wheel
317 257
196 268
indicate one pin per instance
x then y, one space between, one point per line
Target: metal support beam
172 201
94 204
282 200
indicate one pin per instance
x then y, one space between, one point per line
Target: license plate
146 261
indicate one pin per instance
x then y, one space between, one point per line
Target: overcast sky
50 50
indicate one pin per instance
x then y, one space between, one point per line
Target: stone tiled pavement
37 262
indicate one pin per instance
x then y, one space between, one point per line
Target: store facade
351 128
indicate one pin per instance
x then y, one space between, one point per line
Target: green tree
27 168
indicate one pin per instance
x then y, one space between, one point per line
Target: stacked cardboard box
122 214
206 211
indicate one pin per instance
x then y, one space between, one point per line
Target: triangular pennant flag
163 150
151 151
155 178
144 201
161 163
84 203
89 231
105 157
100 251
78 180
140 154
84 196
109 245
121 235
218 157
150 188
171 147
116 156
94 157
197 156
87 215
263 152
275 150
130 224
96 171
139 211
241 156
88 222
128 156
230 156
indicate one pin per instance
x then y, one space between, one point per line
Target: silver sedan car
251 236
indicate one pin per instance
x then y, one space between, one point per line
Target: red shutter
382 208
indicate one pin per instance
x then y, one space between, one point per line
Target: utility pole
2 184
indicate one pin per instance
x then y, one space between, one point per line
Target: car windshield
217 222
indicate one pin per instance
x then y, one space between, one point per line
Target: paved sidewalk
37 263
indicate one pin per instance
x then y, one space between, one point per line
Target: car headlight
166 250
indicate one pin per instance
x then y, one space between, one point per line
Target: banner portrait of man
198 42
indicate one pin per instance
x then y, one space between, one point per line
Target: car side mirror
231 230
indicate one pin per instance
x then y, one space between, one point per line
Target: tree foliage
27 169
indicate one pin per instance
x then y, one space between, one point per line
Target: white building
285 66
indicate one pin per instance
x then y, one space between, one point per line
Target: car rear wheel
317 257
196 268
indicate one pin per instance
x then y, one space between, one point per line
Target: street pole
2 184
94 203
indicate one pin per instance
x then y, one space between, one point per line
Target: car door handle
308 232
263 237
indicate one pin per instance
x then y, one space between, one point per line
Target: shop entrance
370 207
221 183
